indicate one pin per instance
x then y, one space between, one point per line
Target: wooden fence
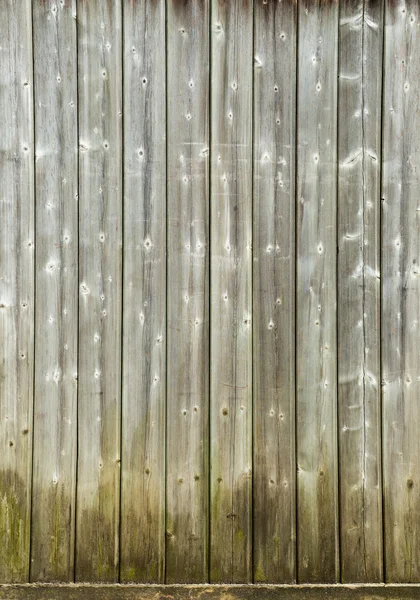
209 291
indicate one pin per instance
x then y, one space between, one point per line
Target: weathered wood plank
188 292
231 291
55 423
100 276
317 507
144 311
401 291
214 592
274 291
16 287
359 156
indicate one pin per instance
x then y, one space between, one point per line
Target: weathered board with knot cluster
209 298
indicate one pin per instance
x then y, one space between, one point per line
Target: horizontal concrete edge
88 591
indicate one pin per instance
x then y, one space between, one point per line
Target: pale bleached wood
274 291
187 511
144 312
359 156
100 286
401 291
317 509
55 423
231 291
16 287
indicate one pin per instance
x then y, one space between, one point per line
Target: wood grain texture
401 291
55 423
209 297
100 286
274 292
231 291
144 309
317 509
16 287
359 156
187 511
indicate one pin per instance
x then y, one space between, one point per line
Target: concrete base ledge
51 591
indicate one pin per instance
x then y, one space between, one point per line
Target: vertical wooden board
55 423
317 509
187 469
401 291
231 291
16 287
144 312
100 277
359 156
274 292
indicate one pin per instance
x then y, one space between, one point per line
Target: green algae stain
52 533
259 574
56 558
14 528
129 575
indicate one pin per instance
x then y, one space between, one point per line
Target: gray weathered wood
401 290
231 291
359 156
55 423
230 362
187 469
100 286
16 287
317 508
274 291
144 310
